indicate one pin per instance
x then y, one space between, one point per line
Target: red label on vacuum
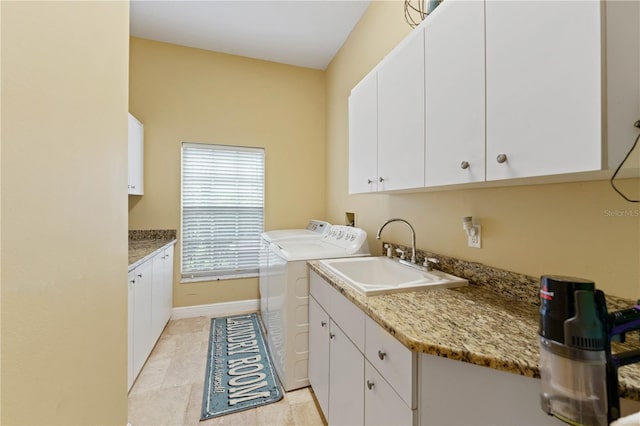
545 293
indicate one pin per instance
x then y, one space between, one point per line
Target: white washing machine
315 229
288 296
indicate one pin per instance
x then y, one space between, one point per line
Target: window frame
213 275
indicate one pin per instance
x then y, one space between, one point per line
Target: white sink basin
381 275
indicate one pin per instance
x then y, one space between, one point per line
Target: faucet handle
428 260
403 253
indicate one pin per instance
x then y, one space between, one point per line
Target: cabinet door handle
381 179
381 354
370 384
323 323
332 335
133 187
501 158
133 281
369 181
464 165
139 275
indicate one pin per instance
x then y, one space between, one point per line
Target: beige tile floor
169 389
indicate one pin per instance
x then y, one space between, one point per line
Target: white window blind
222 210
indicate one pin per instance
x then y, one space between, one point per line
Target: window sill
218 278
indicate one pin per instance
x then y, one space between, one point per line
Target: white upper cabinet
401 116
454 86
363 136
549 107
136 156
495 90
386 122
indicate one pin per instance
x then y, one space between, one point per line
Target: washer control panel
346 236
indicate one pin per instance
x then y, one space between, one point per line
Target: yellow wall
569 229
191 95
64 217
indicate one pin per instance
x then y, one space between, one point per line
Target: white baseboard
216 309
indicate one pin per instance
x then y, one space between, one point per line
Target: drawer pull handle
381 355
370 384
501 158
323 323
332 335
464 165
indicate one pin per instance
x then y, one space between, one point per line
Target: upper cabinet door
544 87
136 156
454 86
363 136
401 115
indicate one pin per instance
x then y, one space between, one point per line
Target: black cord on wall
636 124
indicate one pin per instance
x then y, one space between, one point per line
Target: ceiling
306 33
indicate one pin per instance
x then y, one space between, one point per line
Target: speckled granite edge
152 234
383 307
499 333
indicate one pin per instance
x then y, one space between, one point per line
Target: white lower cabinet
150 293
393 360
162 290
336 364
319 353
130 299
383 406
458 393
352 389
346 374
361 374
379 381
142 340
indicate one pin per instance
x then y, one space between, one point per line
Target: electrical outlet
475 238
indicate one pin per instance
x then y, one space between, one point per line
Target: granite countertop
144 244
475 324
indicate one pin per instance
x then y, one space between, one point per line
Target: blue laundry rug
239 371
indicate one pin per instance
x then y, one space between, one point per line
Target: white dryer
315 229
288 296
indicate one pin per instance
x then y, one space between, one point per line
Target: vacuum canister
573 356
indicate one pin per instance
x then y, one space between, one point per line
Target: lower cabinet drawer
320 289
348 316
393 360
382 405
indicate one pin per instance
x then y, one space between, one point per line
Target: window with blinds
222 211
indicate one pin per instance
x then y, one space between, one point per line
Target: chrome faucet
413 235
